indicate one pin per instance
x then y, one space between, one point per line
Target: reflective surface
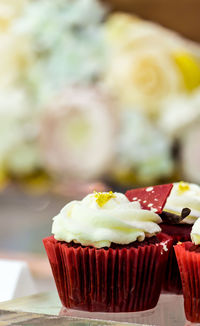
168 312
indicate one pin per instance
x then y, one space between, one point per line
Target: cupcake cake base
188 257
122 278
172 280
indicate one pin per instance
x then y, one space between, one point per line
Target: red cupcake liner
106 279
172 280
189 266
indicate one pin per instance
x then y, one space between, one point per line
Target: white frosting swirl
184 195
118 220
195 233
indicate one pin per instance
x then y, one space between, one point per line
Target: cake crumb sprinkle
149 189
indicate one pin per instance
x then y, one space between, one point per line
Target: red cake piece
151 198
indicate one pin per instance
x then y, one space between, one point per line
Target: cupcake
107 254
181 210
188 257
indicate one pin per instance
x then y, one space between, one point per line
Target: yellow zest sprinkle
182 187
103 198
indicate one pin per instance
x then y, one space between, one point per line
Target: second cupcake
179 214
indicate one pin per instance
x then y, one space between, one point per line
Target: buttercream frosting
195 233
184 195
102 218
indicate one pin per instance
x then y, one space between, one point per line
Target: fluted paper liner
189 266
172 280
107 279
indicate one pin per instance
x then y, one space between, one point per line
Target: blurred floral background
94 99
90 98
102 98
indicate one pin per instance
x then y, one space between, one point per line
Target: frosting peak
102 218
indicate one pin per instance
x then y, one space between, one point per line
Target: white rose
143 78
148 63
78 133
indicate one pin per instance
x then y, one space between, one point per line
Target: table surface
45 308
10 318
